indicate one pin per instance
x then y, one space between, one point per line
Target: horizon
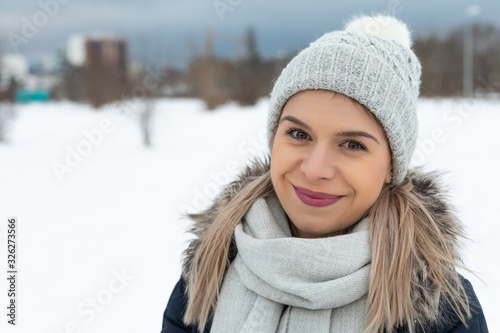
169 33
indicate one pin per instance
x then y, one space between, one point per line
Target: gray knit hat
370 61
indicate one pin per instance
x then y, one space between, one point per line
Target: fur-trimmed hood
426 186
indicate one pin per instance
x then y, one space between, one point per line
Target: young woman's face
329 162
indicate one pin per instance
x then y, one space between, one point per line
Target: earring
390 179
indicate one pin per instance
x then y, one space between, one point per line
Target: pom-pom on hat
370 61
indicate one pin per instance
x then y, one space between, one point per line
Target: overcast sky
164 32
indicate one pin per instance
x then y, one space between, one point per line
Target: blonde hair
408 248
411 257
211 257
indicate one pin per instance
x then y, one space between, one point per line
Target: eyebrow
295 120
344 133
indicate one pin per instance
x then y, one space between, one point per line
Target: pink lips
316 199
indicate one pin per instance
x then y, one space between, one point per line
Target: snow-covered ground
100 227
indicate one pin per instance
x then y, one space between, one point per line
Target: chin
316 232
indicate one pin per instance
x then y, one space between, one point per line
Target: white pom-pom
383 26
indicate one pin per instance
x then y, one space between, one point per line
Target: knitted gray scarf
278 283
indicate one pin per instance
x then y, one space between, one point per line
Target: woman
334 233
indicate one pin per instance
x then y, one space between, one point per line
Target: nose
318 164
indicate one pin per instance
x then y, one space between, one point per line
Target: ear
388 177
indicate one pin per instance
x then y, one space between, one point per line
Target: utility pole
468 51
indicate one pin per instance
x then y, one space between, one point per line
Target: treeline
217 80
442 62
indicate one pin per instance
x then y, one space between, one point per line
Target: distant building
46 65
107 52
75 50
96 68
12 67
98 51
29 95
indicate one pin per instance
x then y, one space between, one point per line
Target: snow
99 246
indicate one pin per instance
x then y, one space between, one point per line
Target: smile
315 199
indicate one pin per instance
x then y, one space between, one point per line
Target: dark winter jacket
450 323
426 186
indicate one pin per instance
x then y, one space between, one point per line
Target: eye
297 134
353 145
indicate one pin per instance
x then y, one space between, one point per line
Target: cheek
275 166
282 164
278 158
371 180
367 175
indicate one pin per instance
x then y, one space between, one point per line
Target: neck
299 234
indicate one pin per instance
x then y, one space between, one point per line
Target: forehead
324 99
331 111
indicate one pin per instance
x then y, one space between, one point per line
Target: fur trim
203 220
427 187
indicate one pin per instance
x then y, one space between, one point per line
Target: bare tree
7 97
146 116
145 89
7 115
